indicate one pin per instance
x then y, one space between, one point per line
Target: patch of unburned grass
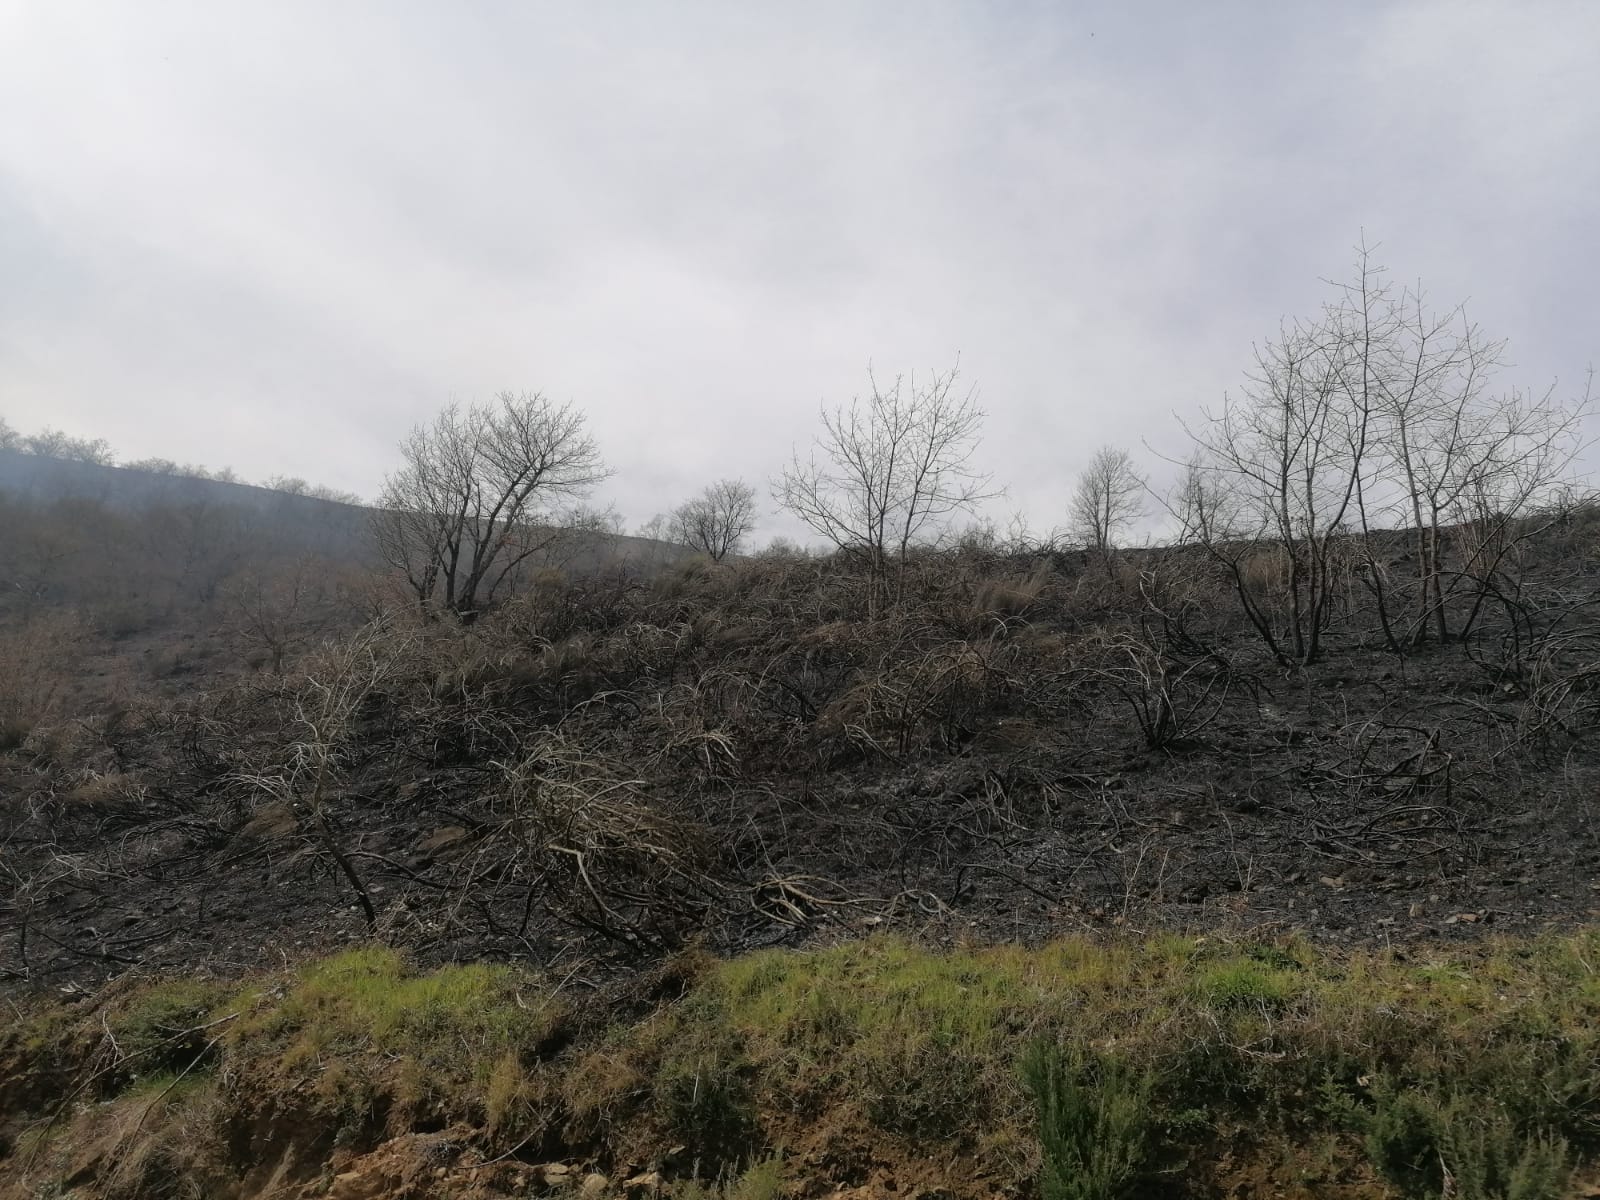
1083 1068
459 1022
98 1051
162 1027
1501 1042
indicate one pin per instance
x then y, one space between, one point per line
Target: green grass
159 1027
459 1022
1243 984
927 1045
1083 1068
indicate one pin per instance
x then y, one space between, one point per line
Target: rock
594 1186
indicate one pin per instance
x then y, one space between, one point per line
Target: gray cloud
277 235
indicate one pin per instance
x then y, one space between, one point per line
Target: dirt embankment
1093 1068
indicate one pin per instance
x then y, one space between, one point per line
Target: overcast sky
275 235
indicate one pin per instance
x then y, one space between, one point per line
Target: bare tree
718 520
40 550
278 608
1277 475
476 496
305 780
1376 414
892 468
52 443
1461 462
1109 498
156 466
655 535
200 543
784 548
333 495
10 439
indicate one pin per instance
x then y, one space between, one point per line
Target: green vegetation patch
1128 1058
165 1027
458 1022
1080 1069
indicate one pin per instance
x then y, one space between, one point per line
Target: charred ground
620 765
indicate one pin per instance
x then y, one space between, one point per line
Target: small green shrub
761 1180
923 1089
1489 1158
1401 1137
703 1093
1094 1122
1463 1145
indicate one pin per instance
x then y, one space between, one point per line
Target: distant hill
85 534
317 524
311 523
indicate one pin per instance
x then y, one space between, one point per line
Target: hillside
1103 701
615 771
176 531
39 479
119 584
733 755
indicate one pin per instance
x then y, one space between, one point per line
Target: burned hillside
1023 743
